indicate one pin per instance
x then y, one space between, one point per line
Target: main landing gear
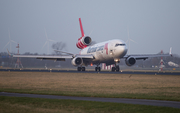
98 68
81 69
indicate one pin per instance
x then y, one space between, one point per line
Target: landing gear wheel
117 68
79 68
97 69
83 69
113 69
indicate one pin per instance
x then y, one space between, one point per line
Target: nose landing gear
116 68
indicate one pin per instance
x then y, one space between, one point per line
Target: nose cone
121 50
125 51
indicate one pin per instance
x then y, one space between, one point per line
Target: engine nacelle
83 42
77 61
130 61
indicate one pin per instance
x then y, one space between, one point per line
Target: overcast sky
153 24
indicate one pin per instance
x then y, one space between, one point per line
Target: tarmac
173 104
90 71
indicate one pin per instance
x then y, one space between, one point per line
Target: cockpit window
120 45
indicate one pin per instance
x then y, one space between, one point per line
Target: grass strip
37 105
156 87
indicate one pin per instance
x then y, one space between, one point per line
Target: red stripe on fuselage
106 48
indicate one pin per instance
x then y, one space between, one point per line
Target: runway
105 72
173 104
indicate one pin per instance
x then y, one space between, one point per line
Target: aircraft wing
55 57
44 57
139 57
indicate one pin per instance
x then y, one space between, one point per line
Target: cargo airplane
108 52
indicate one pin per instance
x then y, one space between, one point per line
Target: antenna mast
18 62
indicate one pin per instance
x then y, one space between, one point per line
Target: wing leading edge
139 57
43 57
55 57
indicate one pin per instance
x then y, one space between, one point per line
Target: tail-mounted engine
83 42
130 61
77 61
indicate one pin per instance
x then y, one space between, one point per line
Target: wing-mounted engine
77 61
130 61
83 42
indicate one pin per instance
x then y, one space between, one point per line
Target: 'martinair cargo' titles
94 49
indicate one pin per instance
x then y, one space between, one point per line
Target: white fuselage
106 52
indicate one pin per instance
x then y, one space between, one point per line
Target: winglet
81 27
170 53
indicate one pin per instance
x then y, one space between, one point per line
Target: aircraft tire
83 69
79 68
117 68
96 69
113 69
99 68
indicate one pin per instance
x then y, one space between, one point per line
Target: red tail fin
83 41
81 27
